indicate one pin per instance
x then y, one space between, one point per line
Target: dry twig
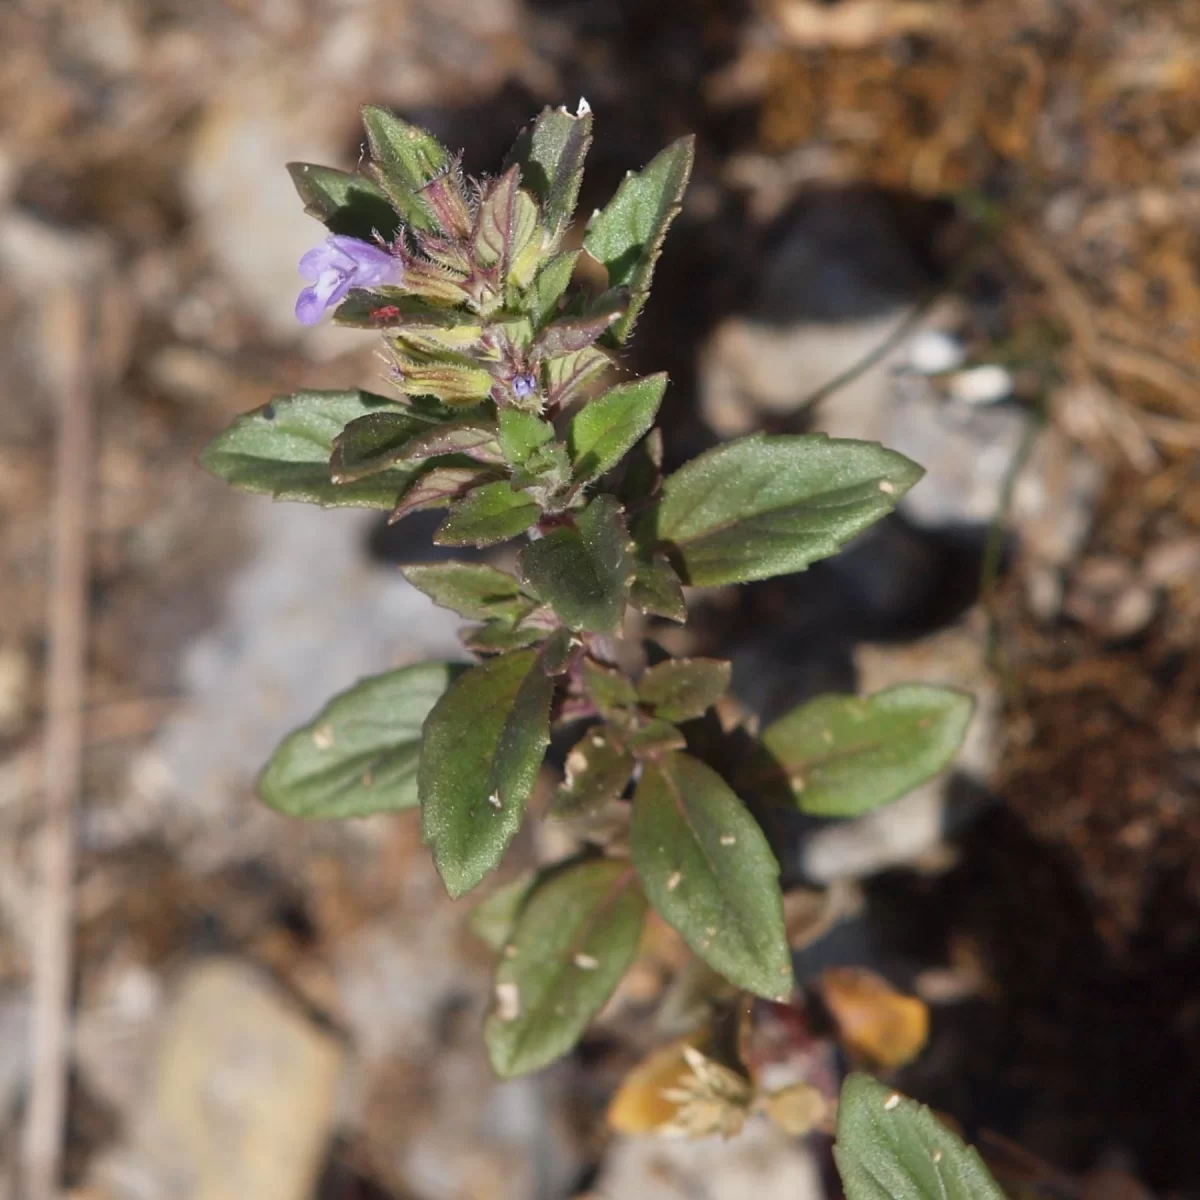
66 314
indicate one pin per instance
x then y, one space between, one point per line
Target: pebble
985 384
933 352
241 1099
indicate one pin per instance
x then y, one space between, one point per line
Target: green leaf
610 690
841 756
656 590
398 309
892 1148
763 506
500 634
484 743
608 427
707 868
551 157
642 473
521 433
406 158
437 485
652 738
583 572
373 443
548 286
576 936
682 689
559 651
491 513
359 755
627 235
345 203
493 920
473 590
282 449
597 772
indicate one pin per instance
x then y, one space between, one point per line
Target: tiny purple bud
524 386
338 265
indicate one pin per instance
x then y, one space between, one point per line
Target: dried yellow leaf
639 1105
878 1024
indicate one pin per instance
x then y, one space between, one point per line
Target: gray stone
761 1162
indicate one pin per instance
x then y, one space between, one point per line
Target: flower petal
371 264
309 306
314 262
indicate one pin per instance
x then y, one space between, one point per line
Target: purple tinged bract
338 265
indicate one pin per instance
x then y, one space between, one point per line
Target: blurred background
966 228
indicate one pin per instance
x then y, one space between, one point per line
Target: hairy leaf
570 378
841 756
344 203
570 334
627 235
576 936
583 572
707 868
549 285
681 689
657 591
505 225
610 690
478 440
405 159
437 485
490 514
374 443
500 634
763 506
608 427
551 156
892 1148
521 433
359 754
484 742
473 590
283 449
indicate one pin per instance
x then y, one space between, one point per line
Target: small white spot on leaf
893 1101
322 737
673 881
508 1001
887 487
585 962
727 839
495 801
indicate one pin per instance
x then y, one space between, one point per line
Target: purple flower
523 386
337 266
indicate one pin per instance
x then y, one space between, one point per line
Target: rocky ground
987 213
